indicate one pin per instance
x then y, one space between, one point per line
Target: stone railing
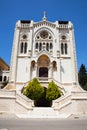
25 25
63 26
47 80
43 79
79 95
24 101
62 101
60 86
7 93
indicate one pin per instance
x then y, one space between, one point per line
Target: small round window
37 37
24 36
44 34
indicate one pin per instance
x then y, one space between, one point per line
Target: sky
69 10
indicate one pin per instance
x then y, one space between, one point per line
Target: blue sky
13 10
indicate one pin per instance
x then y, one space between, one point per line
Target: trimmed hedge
34 90
53 91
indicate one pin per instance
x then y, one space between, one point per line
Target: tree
34 90
82 76
52 92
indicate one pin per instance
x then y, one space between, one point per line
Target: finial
44 14
44 17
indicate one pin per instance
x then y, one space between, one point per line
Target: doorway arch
43 66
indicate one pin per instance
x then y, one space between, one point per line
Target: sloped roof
3 64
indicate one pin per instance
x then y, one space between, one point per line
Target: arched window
62 48
36 47
33 64
40 47
51 46
54 64
65 48
21 48
47 46
25 48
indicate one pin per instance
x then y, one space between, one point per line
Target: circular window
37 37
44 34
24 36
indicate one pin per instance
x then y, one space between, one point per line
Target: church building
45 50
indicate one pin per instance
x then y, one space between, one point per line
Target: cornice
45 23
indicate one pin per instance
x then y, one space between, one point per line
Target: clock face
44 34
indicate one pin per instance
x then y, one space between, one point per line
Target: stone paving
23 116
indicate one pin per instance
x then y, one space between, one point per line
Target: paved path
43 124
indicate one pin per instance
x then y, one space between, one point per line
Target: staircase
46 113
63 103
23 104
43 112
45 81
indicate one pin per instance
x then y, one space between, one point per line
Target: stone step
43 111
44 84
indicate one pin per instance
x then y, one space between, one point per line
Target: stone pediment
44 23
43 52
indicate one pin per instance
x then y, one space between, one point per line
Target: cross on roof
44 17
44 14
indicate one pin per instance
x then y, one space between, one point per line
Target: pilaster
13 67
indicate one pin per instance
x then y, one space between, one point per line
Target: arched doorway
43 72
43 66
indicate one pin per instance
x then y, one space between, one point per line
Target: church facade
45 50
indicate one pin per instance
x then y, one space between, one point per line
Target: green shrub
85 87
34 90
52 92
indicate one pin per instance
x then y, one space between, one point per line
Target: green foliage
53 92
85 87
34 90
82 76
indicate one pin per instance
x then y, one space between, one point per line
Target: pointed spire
44 17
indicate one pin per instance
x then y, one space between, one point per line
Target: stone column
34 71
73 55
13 67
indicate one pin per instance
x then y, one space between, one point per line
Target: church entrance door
43 72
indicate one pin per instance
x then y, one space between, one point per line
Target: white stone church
45 50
